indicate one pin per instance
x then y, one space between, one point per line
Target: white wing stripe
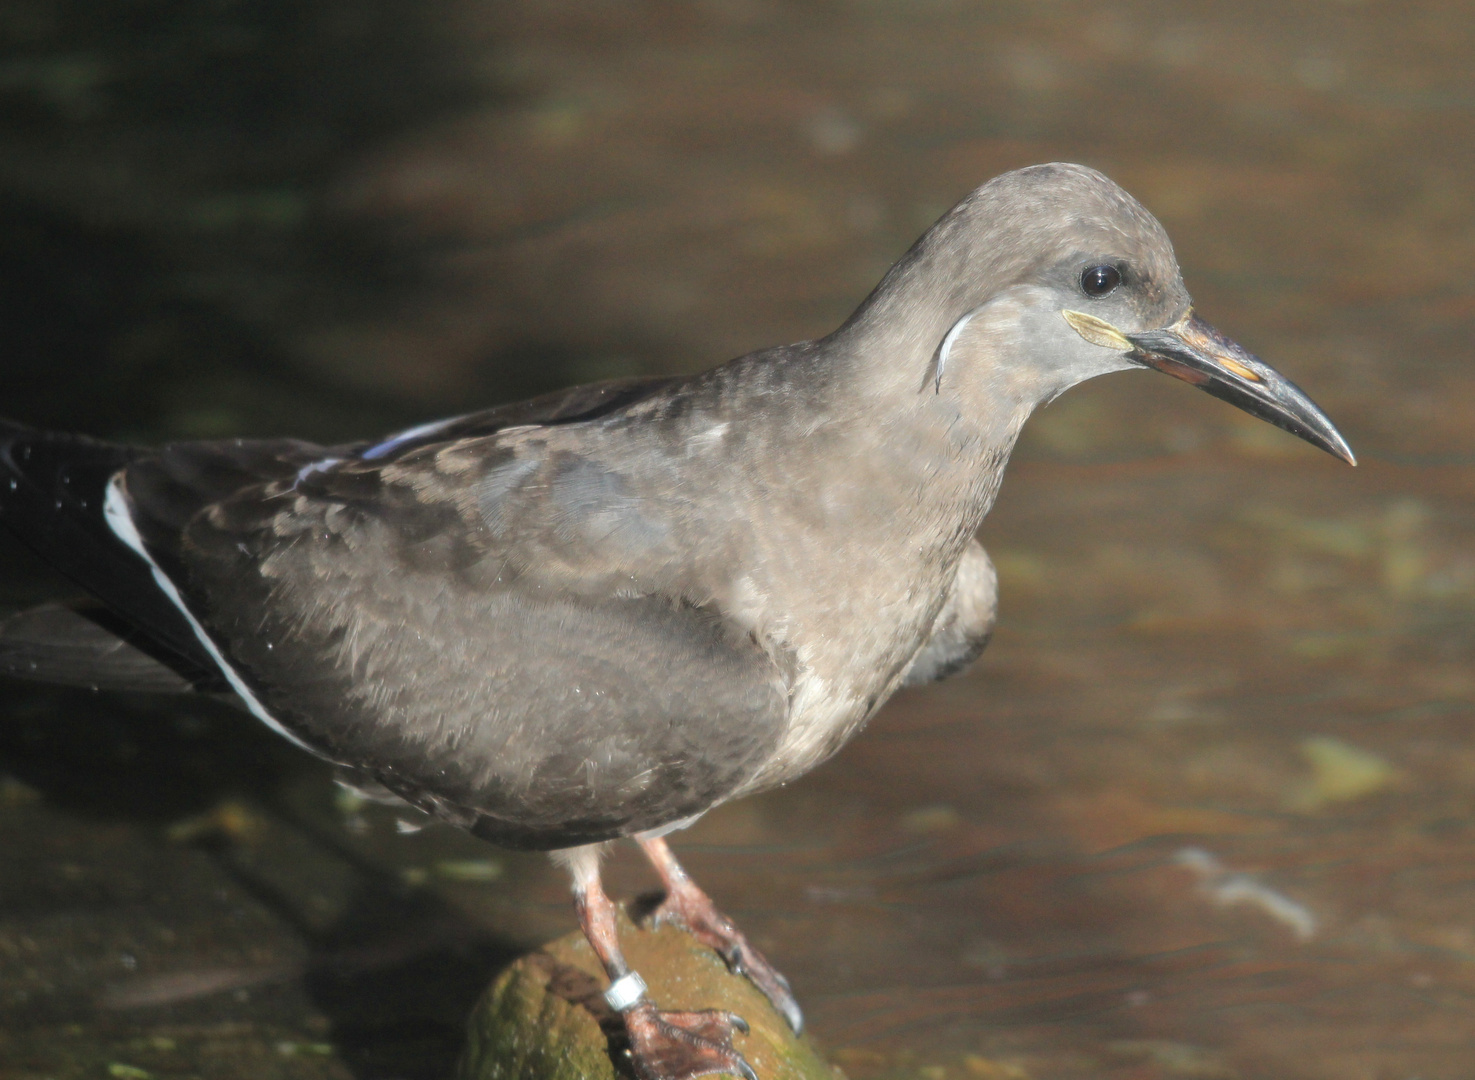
120 520
408 435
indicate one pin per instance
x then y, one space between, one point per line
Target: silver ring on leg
625 992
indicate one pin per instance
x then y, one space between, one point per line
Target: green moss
545 1018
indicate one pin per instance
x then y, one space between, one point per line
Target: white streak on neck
120 520
946 347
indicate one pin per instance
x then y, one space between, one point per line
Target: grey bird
601 613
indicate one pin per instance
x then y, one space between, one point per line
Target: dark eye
1100 280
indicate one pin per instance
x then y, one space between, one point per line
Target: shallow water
1206 808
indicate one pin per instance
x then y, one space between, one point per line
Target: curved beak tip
1195 352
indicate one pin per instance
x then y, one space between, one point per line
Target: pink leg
663 1045
689 907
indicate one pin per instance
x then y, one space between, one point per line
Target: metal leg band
624 992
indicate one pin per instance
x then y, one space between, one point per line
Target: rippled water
1204 809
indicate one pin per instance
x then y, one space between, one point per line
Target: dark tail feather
87 645
52 488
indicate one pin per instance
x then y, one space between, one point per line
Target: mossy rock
545 1017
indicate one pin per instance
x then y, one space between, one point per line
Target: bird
600 613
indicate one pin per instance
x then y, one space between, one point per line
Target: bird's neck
944 437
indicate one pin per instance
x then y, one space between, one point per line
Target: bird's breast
845 658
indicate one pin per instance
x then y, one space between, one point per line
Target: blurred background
1206 808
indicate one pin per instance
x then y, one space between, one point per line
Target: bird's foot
693 911
684 1045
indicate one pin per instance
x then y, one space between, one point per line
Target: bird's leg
689 907
663 1045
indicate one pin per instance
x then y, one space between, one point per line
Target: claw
793 1014
711 927
684 1045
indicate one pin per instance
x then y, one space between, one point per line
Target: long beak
1195 352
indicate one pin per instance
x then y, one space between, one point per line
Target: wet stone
545 1017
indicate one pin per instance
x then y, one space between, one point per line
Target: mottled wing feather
170 486
473 598
447 598
555 717
175 483
571 405
52 488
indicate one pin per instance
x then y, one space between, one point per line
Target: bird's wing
571 405
53 487
497 621
482 614
53 496
964 625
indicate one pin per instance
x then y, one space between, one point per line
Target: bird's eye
1100 280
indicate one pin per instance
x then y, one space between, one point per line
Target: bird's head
1053 274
